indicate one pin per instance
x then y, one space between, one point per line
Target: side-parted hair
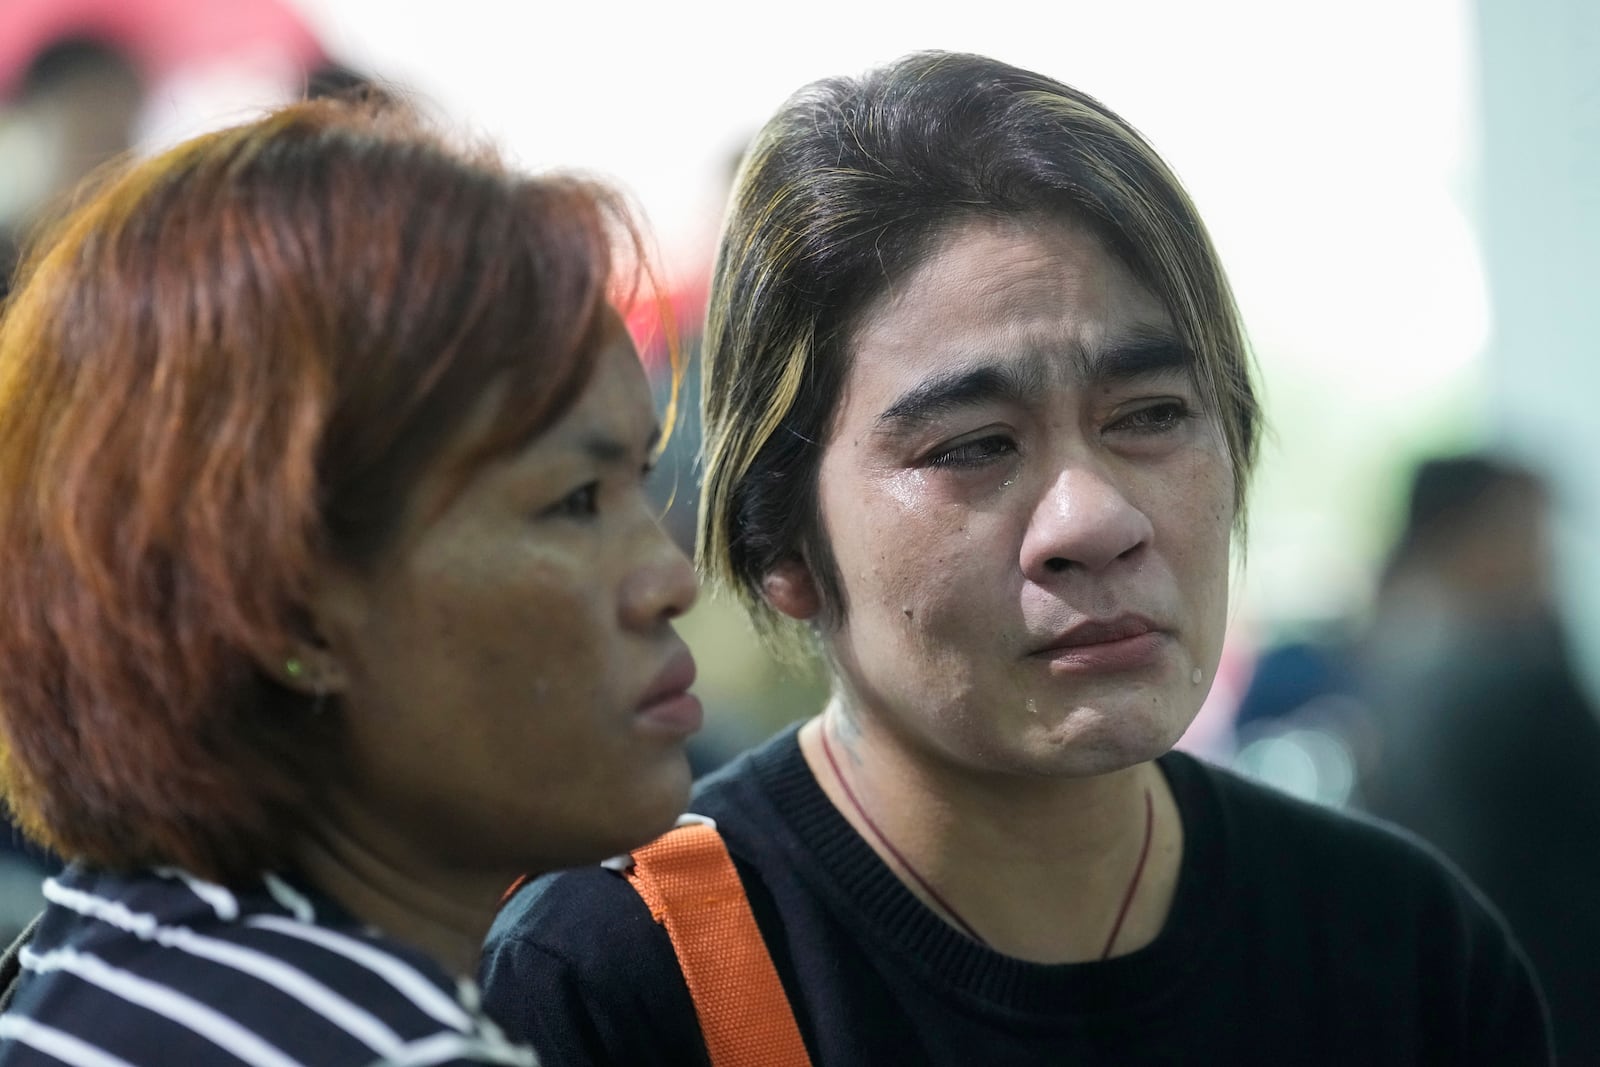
232 362
842 193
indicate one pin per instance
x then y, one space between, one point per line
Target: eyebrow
1139 354
962 388
612 451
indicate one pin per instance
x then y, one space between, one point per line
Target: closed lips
675 678
1098 633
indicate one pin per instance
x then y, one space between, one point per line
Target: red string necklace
934 895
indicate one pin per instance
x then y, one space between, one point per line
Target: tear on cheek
908 489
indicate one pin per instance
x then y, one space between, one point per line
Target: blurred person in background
332 598
75 106
82 81
979 425
1485 741
1300 723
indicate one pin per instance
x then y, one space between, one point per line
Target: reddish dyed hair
233 361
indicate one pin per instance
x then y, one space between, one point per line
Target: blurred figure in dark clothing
337 79
75 108
1294 674
1487 744
333 78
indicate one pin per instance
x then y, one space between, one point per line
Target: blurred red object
161 36
679 312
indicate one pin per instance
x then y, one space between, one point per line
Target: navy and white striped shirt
161 968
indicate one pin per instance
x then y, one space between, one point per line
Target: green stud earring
293 667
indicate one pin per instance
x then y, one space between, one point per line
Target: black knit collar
868 896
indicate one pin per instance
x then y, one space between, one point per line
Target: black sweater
1296 936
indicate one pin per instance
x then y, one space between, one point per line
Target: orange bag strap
687 879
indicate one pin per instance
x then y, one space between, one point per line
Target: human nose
662 585
1083 521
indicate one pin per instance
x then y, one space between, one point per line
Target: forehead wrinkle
1039 320
1062 348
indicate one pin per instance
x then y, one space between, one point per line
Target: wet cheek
1204 528
917 563
894 542
907 489
1202 488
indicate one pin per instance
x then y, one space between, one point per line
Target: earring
293 667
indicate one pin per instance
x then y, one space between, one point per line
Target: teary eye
1158 418
973 453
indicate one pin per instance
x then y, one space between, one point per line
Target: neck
1049 869
378 879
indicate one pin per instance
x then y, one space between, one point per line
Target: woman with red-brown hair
330 597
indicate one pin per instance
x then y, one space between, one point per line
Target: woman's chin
653 812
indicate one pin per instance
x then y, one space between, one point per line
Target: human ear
311 663
790 589
309 668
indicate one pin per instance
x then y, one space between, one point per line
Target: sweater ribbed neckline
866 894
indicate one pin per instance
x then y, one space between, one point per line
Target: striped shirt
161 968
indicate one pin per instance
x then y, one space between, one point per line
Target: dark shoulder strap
11 962
689 882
